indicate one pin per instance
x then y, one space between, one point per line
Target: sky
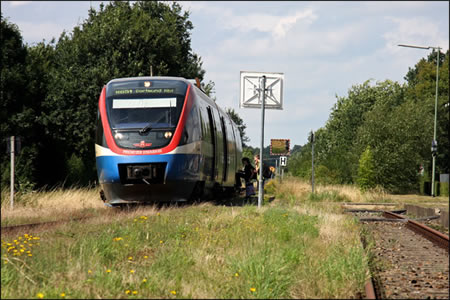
322 49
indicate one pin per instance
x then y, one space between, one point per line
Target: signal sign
283 161
280 147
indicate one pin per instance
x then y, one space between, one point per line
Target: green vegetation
395 121
50 91
306 249
366 174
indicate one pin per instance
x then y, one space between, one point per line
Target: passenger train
163 139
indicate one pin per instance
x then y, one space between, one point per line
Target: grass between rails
297 246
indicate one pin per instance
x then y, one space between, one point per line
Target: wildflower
158 214
236 274
108 271
135 292
117 239
135 220
62 295
144 280
127 292
145 256
89 271
130 258
29 254
173 292
161 242
144 217
40 295
132 271
252 290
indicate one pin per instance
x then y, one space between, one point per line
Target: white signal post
261 181
283 163
253 95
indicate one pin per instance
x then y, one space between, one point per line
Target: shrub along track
405 264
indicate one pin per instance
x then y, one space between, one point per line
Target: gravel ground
407 266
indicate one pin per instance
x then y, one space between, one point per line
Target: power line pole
434 141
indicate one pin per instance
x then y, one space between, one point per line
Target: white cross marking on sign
283 161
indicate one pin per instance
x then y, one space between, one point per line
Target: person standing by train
257 165
248 174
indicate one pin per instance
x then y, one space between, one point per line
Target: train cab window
142 113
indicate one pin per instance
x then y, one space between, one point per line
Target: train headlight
168 134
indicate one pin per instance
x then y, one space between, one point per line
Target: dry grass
300 189
51 205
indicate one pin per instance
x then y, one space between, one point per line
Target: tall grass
296 191
200 251
44 205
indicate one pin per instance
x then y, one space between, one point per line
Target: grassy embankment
298 246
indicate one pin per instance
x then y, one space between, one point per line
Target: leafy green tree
366 173
336 141
422 90
240 125
24 81
119 40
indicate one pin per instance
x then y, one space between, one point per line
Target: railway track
409 260
227 201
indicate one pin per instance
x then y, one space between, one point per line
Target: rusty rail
434 236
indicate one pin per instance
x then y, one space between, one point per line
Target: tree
240 124
119 40
23 87
421 89
366 173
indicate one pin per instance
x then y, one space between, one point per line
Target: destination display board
280 147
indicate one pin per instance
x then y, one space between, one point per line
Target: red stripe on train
173 143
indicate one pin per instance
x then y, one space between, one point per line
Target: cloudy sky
322 48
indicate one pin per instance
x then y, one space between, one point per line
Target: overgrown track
27 227
222 201
405 264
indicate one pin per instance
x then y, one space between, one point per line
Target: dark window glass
143 114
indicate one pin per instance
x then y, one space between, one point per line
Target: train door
225 149
213 143
232 168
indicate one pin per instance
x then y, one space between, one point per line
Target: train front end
140 125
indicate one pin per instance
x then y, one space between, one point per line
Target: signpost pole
312 160
12 172
263 99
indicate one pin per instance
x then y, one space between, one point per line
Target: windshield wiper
145 129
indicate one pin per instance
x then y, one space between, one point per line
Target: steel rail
431 234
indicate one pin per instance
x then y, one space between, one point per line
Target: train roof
149 78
